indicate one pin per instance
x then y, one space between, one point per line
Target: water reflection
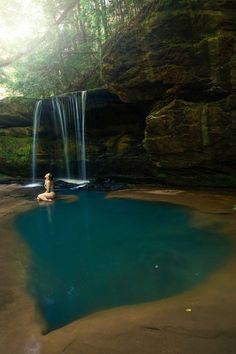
97 253
49 206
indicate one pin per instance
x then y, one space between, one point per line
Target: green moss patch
15 155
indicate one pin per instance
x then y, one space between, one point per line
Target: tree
66 54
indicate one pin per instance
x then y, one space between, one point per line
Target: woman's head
48 176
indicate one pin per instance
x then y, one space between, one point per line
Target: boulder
175 49
184 134
179 56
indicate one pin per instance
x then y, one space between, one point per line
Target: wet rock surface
209 327
21 188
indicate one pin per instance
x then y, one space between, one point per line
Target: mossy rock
15 155
124 145
16 112
195 178
179 48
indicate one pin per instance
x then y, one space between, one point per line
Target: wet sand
201 320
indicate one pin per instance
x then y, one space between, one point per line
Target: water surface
99 253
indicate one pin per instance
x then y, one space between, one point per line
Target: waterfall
36 123
59 112
83 142
68 116
70 112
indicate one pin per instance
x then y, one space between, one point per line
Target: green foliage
15 151
67 55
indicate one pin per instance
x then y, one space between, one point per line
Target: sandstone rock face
203 134
179 48
115 131
16 112
180 56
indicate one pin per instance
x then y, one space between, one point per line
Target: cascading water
68 114
37 116
59 113
83 142
70 111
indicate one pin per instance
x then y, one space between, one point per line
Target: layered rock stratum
180 57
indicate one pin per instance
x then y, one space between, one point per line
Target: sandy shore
202 320
19 320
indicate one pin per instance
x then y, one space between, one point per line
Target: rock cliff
180 57
174 69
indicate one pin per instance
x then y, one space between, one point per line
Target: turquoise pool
99 253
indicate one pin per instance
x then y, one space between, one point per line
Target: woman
49 195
